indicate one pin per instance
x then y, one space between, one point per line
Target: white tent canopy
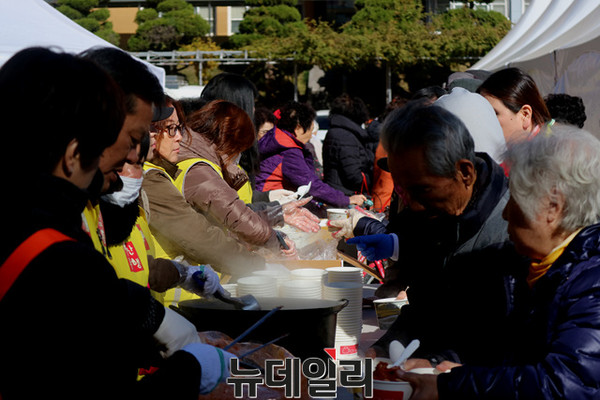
557 42
27 23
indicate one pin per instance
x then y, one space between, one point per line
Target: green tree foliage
267 19
389 30
87 14
466 32
168 26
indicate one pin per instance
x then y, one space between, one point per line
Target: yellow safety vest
130 259
244 193
93 225
175 295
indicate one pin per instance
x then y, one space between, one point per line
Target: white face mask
127 195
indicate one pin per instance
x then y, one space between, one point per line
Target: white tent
26 23
558 43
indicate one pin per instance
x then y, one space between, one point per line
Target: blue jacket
558 352
286 164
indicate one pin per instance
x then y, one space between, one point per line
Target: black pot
310 323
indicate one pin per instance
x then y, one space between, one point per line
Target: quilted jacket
557 355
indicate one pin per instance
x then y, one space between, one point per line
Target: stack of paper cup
231 288
301 288
349 319
344 274
258 286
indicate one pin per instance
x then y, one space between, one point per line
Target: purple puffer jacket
286 164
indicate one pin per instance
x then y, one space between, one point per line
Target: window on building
208 13
236 15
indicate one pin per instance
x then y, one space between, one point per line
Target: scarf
537 270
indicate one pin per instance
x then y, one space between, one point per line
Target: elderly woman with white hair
552 218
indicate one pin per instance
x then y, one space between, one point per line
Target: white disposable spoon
396 350
302 190
410 349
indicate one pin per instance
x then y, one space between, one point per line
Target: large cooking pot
310 323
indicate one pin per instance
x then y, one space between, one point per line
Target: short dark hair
566 109
133 76
515 88
50 98
293 114
225 125
353 108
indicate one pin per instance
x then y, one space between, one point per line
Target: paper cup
334 214
387 310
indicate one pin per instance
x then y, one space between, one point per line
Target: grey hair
444 136
562 161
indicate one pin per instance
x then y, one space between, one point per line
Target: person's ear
70 161
299 131
555 207
466 172
526 114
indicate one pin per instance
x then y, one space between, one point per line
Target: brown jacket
217 197
182 231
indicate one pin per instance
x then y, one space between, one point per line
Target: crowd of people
130 201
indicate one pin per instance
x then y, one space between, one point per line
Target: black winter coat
557 355
70 328
348 156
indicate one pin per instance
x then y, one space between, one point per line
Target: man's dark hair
566 109
133 76
50 98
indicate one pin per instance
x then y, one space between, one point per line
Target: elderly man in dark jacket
552 218
448 240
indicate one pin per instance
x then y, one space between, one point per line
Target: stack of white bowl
349 319
314 275
279 275
301 288
344 274
258 286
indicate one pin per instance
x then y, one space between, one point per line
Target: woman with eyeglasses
177 229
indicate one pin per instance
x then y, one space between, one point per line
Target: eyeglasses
171 130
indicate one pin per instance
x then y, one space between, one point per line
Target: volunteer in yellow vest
219 132
131 246
178 231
